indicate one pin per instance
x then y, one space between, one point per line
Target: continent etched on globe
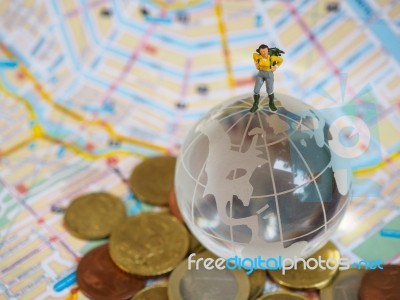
260 184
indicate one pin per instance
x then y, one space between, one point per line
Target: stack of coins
146 254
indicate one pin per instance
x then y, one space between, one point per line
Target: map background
86 96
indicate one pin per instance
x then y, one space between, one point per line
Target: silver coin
346 285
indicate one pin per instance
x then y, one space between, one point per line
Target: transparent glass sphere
260 184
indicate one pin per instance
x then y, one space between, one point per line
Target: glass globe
260 184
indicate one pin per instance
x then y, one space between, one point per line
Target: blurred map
90 88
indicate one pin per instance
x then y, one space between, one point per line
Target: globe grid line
230 128
195 188
293 121
313 180
267 195
272 143
287 240
234 124
293 189
197 137
235 172
233 114
273 182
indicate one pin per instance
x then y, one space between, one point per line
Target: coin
280 295
149 244
93 216
203 283
99 278
158 292
152 180
346 285
173 205
257 282
307 278
381 284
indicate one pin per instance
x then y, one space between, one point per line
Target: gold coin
280 295
156 292
206 283
149 244
152 180
257 282
93 216
317 278
346 285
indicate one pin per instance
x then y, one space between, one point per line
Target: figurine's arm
256 58
277 60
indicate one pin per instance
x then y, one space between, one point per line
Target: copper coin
381 284
173 205
99 278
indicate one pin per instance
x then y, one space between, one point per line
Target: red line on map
80 186
38 219
22 259
317 44
132 59
313 39
185 83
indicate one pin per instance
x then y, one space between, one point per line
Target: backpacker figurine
266 60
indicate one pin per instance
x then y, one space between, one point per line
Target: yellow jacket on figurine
265 64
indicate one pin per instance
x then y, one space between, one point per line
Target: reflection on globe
260 184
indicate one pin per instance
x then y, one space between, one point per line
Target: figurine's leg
270 91
257 88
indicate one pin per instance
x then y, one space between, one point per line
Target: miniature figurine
266 60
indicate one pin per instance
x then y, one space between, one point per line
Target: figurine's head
263 50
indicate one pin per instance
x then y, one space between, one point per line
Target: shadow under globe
260 184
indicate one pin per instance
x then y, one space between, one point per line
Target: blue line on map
95 62
136 207
383 76
192 7
67 40
61 152
378 26
296 50
58 61
8 63
259 35
131 95
65 282
184 44
32 146
390 233
357 55
362 187
258 20
347 63
159 20
93 33
37 46
148 62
